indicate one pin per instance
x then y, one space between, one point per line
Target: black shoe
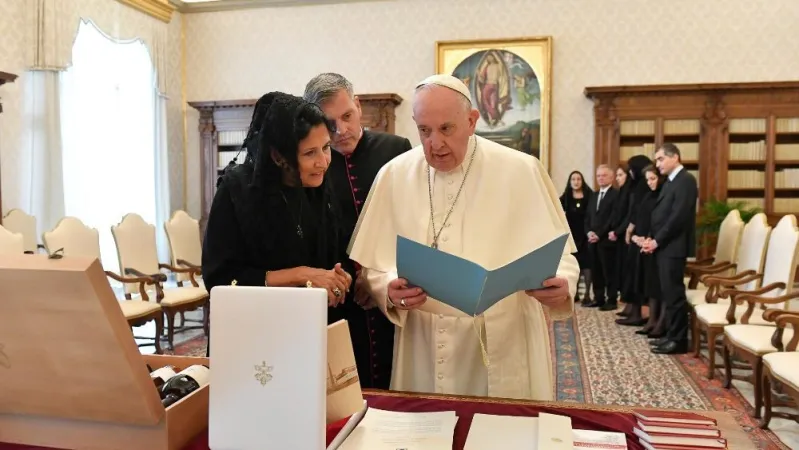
671 348
658 342
632 321
642 331
609 307
592 304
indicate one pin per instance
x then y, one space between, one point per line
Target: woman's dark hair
567 197
653 169
281 123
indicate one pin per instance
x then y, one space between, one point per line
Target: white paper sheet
516 433
388 430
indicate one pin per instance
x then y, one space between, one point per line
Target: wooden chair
185 246
11 243
710 317
74 238
138 256
750 333
781 368
17 221
185 249
726 254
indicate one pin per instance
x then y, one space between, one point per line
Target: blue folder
469 287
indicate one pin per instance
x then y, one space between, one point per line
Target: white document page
555 432
388 430
599 440
514 433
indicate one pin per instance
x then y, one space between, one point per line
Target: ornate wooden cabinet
224 124
741 140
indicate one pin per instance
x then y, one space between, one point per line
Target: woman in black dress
646 278
574 201
273 221
632 191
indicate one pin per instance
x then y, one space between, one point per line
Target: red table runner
587 417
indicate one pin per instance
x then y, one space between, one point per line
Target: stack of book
660 430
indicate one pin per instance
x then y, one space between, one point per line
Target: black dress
251 231
575 209
352 177
647 280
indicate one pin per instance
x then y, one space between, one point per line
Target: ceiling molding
160 9
232 5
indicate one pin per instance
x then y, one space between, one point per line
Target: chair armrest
712 268
734 280
754 299
142 280
699 262
192 271
183 262
783 320
160 277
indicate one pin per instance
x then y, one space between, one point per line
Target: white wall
388 46
110 16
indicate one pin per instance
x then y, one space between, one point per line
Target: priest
359 154
484 202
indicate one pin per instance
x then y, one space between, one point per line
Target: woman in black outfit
633 191
574 201
646 278
273 221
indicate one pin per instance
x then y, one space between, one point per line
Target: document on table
388 430
469 287
545 432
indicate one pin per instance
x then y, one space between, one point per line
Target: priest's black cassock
352 176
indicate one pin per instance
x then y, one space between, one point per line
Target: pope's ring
337 292
402 303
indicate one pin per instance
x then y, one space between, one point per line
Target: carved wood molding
6 77
671 89
160 9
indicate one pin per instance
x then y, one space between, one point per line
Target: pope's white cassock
508 208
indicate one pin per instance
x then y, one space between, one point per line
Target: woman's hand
403 297
336 281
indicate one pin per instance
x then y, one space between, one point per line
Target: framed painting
511 85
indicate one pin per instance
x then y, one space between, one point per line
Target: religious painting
510 83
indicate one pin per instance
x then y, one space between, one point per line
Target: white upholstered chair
185 246
11 243
17 221
749 334
710 317
782 367
72 237
138 256
726 255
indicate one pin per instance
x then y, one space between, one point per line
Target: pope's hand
404 297
555 292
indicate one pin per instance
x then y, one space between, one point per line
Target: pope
481 201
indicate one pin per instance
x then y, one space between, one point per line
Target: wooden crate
71 375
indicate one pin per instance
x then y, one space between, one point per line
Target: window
110 147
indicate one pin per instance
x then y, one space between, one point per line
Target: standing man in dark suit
598 223
673 241
359 154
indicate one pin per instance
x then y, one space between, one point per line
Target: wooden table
584 416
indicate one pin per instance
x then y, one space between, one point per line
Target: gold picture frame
515 110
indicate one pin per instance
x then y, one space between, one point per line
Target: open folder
470 287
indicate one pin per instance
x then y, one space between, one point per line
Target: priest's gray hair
465 102
325 86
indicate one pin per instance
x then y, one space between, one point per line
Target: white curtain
161 157
112 136
42 140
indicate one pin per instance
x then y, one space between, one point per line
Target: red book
687 429
660 439
648 446
681 418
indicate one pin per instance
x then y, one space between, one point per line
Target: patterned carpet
600 362
604 363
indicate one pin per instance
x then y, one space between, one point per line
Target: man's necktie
601 196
